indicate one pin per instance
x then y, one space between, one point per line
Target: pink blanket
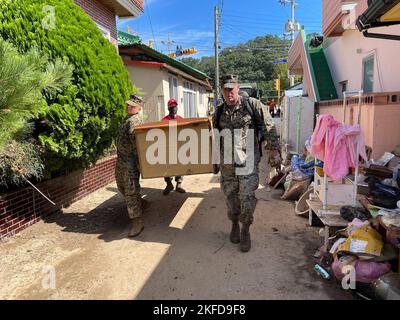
342 149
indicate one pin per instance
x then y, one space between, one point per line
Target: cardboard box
171 157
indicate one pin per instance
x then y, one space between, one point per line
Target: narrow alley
183 253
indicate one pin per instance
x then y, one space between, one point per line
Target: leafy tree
25 81
77 125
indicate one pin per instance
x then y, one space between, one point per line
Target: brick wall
139 4
100 14
21 208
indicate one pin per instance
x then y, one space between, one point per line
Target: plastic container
322 272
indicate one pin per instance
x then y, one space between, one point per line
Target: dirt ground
183 253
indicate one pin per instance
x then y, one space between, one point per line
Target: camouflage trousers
239 191
128 184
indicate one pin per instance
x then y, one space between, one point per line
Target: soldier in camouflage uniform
240 189
127 168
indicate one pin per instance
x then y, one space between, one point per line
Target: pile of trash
361 254
383 180
299 173
364 252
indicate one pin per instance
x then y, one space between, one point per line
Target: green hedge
79 125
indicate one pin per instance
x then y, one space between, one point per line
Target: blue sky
190 23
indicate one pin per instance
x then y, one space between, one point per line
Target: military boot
235 232
137 227
179 188
245 242
168 188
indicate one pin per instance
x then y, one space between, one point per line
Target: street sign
280 61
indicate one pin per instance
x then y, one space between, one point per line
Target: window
173 88
200 95
368 74
189 100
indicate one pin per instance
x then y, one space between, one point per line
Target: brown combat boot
137 227
245 242
179 188
168 188
235 232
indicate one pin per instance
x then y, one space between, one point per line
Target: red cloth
169 118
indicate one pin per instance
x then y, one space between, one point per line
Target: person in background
172 115
272 107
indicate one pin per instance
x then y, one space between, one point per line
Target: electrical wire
266 20
220 13
151 25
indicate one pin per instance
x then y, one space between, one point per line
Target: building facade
347 63
105 12
161 78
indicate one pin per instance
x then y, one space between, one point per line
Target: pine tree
27 81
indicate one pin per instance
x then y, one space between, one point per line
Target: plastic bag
298 175
382 195
349 213
365 271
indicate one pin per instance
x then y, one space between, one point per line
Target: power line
239 34
220 13
237 28
247 18
148 15
257 23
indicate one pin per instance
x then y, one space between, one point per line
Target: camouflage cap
229 81
134 100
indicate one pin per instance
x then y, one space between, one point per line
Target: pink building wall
345 53
379 119
345 57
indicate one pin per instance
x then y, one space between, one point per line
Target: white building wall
155 87
345 56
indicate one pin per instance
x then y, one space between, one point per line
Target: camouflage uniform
127 172
240 189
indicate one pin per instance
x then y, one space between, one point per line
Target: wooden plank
330 220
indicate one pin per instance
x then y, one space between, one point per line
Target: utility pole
168 43
293 21
216 23
292 27
292 38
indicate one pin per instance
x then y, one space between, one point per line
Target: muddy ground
184 252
